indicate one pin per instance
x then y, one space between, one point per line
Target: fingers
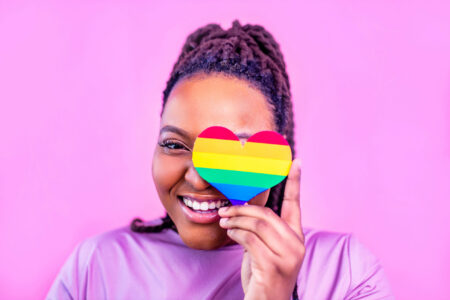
265 223
290 209
264 257
250 241
265 232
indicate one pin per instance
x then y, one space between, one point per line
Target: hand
274 246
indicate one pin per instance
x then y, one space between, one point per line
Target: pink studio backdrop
80 91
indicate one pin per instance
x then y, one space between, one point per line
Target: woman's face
193 105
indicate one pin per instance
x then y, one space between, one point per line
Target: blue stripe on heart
238 192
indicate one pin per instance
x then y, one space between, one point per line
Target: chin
204 238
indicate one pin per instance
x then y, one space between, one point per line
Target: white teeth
196 205
204 205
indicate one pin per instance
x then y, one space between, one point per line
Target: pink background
80 91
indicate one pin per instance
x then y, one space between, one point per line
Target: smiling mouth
204 206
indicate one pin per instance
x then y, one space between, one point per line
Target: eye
172 145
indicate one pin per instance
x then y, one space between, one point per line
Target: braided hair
247 52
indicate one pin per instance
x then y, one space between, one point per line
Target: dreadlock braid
247 52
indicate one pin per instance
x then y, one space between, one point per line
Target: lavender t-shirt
121 264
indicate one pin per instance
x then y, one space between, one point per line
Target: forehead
203 101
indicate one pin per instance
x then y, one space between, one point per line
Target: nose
194 179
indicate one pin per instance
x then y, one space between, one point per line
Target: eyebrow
185 134
174 129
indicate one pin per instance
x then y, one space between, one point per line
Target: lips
204 205
200 209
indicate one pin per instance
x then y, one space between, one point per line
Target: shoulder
77 271
344 264
325 239
87 249
101 255
109 239
341 244
123 239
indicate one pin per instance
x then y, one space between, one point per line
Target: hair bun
236 25
199 36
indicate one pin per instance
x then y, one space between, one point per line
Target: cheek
260 199
167 172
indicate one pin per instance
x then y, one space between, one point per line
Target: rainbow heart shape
241 172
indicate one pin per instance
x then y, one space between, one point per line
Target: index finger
290 209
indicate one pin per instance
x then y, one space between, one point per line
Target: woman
234 78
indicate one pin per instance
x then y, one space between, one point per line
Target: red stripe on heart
218 132
268 137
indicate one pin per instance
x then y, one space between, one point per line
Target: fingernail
223 221
298 162
223 209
